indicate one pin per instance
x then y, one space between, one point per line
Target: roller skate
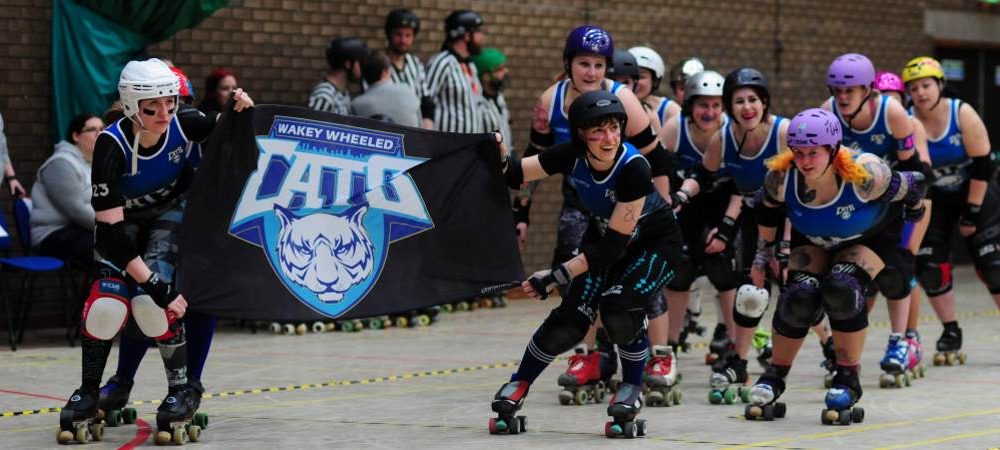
661 379
763 396
719 345
728 384
915 353
113 398
507 401
176 421
78 420
949 346
894 363
625 406
842 397
691 326
583 381
829 362
762 344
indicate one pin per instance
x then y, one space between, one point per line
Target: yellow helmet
922 67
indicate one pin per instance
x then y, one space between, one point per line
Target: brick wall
276 46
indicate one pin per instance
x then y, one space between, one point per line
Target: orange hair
847 168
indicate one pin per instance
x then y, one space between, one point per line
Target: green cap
489 59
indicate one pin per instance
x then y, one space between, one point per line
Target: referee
401 28
344 55
451 80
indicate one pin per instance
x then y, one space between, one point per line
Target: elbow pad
606 251
643 138
427 107
542 140
531 150
908 187
514 174
768 216
661 162
981 168
114 245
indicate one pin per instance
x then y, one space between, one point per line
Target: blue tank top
156 173
748 171
688 154
661 110
877 139
558 121
598 197
948 157
844 218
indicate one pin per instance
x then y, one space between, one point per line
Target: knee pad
720 268
894 283
152 320
623 325
559 333
751 303
842 292
105 310
935 278
990 276
684 274
800 306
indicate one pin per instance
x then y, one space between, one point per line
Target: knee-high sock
95 356
633 358
174 353
131 350
200 330
533 363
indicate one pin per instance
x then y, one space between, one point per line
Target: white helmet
141 80
708 83
647 58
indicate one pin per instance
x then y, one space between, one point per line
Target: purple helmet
886 81
851 69
814 127
588 39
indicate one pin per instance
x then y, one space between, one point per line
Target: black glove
726 230
545 282
914 214
970 217
679 198
161 293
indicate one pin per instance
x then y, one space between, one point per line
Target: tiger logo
325 253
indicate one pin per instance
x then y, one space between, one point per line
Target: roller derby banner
296 214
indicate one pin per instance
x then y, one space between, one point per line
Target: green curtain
156 20
88 53
92 40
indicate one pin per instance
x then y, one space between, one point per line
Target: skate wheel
485 303
276 328
447 308
655 398
114 418
845 417
288 328
961 358
129 415
744 395
779 410
318 327
97 431
495 426
921 371
907 379
523 422
194 433
640 428
613 384
200 419
580 397
599 393
714 397
939 359
857 414
401 322
423 320
710 358
179 436
162 438
462 306
752 412
347 326
565 398
609 430
767 412
828 416
81 434
512 425
64 436
678 396
629 430
729 396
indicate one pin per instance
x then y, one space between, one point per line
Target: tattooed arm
879 179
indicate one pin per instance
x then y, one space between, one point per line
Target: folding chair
28 267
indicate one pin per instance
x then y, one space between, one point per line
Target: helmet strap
940 93
135 144
850 118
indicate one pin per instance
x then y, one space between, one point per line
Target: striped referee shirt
326 97
454 87
411 74
496 117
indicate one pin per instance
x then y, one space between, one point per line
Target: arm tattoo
879 176
807 195
630 214
772 185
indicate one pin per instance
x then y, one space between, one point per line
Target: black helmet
623 64
745 77
345 49
460 22
401 18
592 109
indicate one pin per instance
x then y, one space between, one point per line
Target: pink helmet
887 81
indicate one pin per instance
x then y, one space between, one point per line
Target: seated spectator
62 220
218 86
384 98
12 182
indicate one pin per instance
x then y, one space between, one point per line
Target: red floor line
142 433
29 394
